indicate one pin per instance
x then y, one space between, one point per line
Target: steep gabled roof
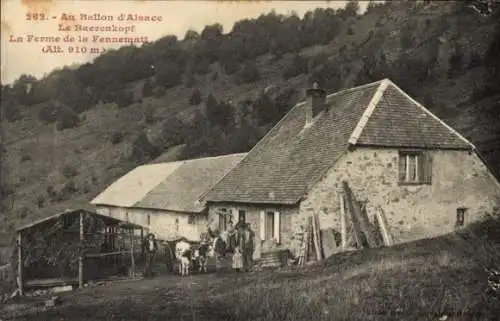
290 158
175 186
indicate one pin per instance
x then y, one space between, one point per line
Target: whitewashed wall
164 224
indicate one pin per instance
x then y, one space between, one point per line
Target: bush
24 212
67 118
195 98
40 201
124 98
249 73
297 67
159 92
168 75
116 137
149 115
25 158
147 88
230 66
69 171
48 113
67 191
142 149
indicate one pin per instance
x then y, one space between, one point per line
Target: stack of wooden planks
311 242
365 233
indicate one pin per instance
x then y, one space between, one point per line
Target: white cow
183 253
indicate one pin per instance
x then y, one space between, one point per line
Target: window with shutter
415 167
262 225
269 225
277 227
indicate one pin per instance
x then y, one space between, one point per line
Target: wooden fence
5 272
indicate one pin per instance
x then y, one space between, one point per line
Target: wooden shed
75 246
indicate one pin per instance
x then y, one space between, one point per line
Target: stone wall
164 224
459 179
287 223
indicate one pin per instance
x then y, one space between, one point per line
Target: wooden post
343 235
80 257
20 281
315 238
132 251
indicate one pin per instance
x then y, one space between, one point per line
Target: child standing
237 259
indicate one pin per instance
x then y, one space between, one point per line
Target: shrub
24 212
40 201
68 190
143 149
67 118
147 88
69 171
116 137
124 98
168 75
249 73
195 98
25 158
48 113
159 92
149 115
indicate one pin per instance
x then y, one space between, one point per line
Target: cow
201 257
184 254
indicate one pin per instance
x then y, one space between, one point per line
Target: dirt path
158 298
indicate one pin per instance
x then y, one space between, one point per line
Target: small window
241 216
414 167
191 219
149 219
224 218
269 225
461 212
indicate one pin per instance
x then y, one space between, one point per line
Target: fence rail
5 272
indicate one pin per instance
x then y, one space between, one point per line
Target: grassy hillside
437 52
436 279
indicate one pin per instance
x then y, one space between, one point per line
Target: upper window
191 219
415 167
224 219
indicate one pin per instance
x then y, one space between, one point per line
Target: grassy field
423 280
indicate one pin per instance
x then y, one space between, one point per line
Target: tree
124 98
195 98
191 35
147 88
142 149
66 118
249 73
168 75
218 113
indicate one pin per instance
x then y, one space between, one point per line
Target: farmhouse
373 142
164 197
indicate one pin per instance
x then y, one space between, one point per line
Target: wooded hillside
67 136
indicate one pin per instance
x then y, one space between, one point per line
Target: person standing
237 259
151 249
248 246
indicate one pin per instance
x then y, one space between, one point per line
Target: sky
27 57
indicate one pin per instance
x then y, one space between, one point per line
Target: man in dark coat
151 248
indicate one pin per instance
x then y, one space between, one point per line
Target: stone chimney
316 102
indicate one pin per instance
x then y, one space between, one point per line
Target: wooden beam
360 216
132 251
382 223
343 232
20 277
80 256
315 239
